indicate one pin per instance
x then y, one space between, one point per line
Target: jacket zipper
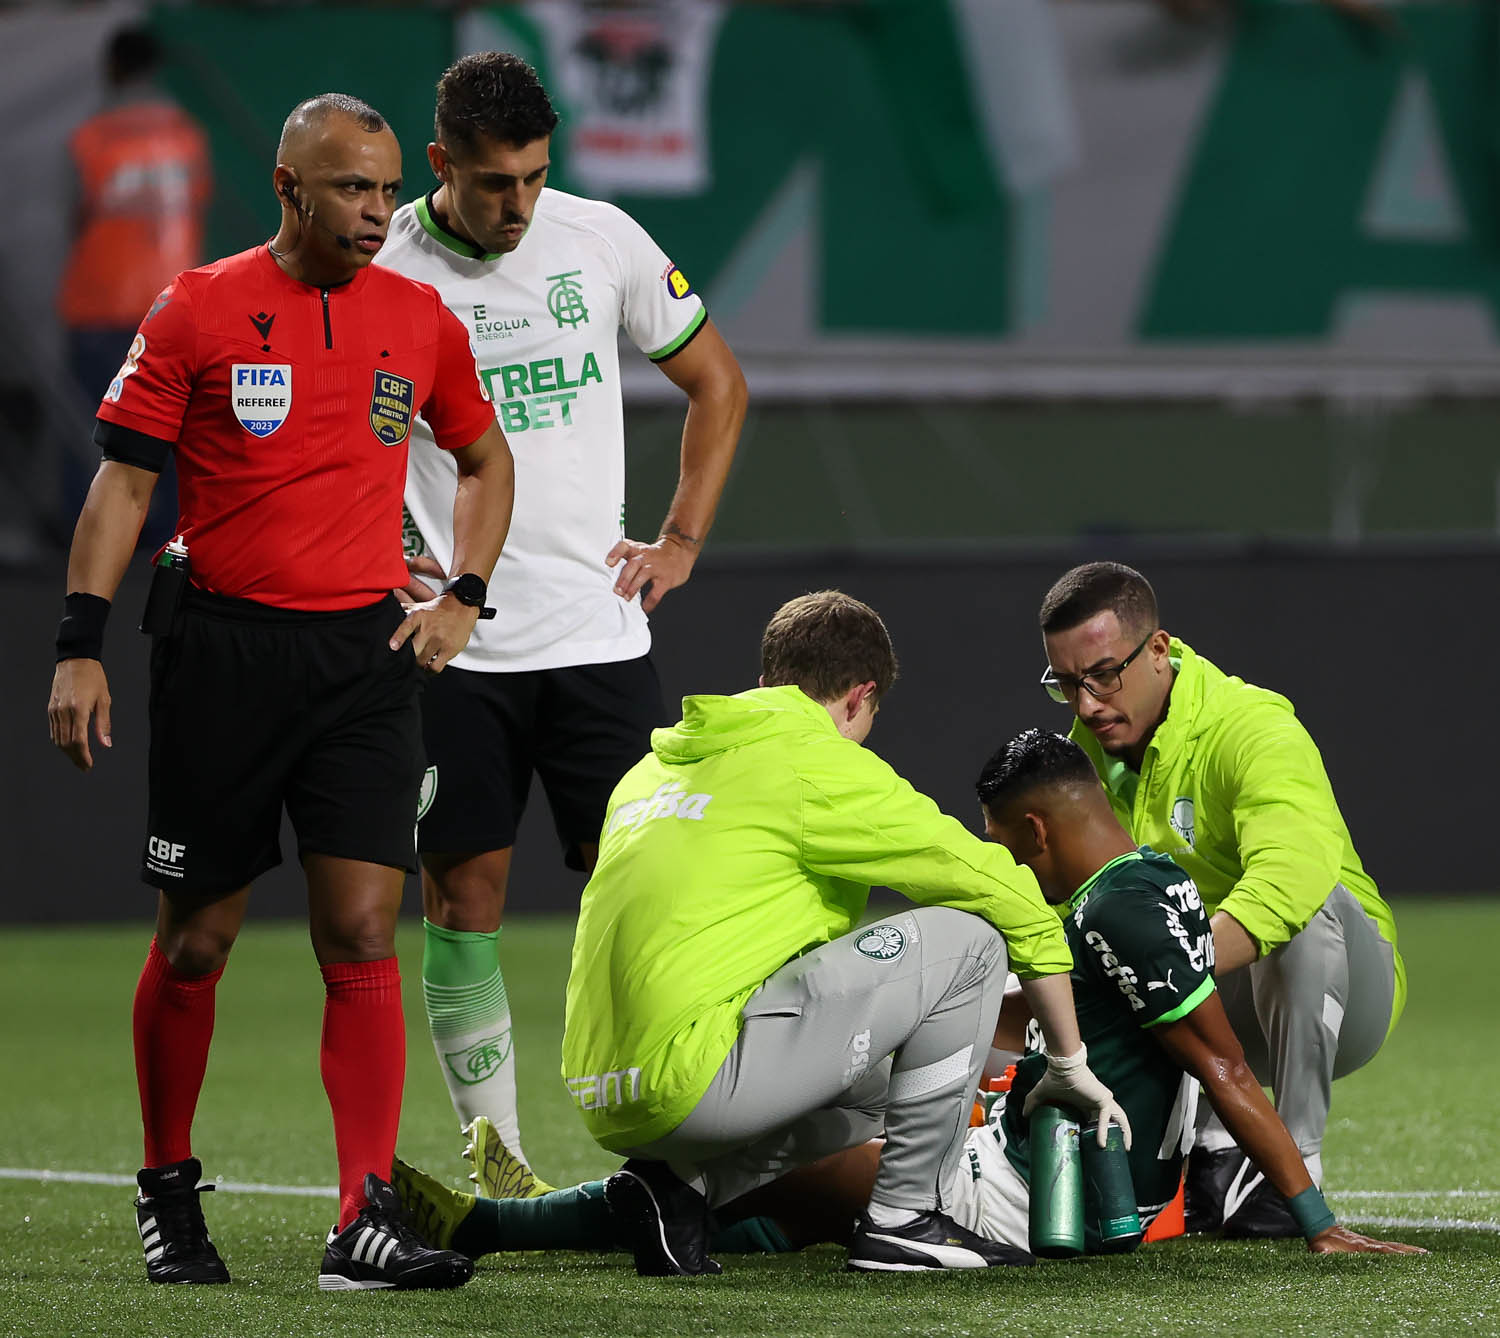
327 324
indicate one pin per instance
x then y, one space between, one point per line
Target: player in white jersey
561 682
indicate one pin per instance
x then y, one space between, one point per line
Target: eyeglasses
1100 682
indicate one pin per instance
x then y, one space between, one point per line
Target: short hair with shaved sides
312 113
1036 759
826 643
495 94
1099 587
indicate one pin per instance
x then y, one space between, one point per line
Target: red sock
364 1067
174 1022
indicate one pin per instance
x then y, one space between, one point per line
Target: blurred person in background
141 183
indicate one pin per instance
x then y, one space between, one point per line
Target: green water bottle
1056 1225
1109 1189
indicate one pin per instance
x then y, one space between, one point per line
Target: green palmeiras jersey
1143 955
751 833
544 321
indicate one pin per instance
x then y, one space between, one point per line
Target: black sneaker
1225 1191
169 1217
932 1241
664 1220
1208 1175
380 1249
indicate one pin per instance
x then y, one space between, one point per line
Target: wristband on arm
1312 1212
80 634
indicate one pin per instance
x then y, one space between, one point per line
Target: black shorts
253 708
580 729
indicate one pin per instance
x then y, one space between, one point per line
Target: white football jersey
544 322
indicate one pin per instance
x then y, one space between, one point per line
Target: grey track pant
1312 1010
885 1028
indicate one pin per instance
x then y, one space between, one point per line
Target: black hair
316 110
1035 759
132 53
1095 587
495 94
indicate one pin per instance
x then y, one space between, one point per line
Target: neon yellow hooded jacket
751 833
1233 788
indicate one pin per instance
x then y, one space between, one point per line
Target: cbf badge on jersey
260 393
390 408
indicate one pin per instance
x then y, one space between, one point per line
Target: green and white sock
469 1017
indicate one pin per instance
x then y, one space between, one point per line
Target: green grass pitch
1415 1140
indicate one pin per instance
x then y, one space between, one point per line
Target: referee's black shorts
579 728
253 708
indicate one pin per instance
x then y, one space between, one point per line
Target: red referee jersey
289 408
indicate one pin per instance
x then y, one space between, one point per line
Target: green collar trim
1098 874
435 229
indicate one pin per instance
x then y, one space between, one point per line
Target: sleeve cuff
682 340
129 447
1205 988
1264 926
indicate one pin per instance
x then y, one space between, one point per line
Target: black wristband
80 635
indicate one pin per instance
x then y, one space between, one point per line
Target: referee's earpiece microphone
307 213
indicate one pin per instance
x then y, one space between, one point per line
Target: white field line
326 1192
106 1178
1426 1223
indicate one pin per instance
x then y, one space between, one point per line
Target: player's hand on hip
419 591
1340 1240
1069 1081
80 693
664 565
437 629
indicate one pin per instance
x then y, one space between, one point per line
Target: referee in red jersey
284 381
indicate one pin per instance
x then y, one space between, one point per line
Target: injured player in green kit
1147 1010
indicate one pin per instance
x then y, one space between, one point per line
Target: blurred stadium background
1016 283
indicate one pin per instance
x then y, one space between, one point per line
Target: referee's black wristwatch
470 591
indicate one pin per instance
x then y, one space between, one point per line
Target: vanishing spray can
168 580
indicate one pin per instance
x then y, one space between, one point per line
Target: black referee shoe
169 1217
380 1249
1225 1191
933 1241
664 1220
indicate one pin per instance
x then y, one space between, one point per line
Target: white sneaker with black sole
931 1242
380 1249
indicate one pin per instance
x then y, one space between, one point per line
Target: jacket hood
712 724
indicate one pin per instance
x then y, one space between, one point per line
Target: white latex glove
1070 1082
